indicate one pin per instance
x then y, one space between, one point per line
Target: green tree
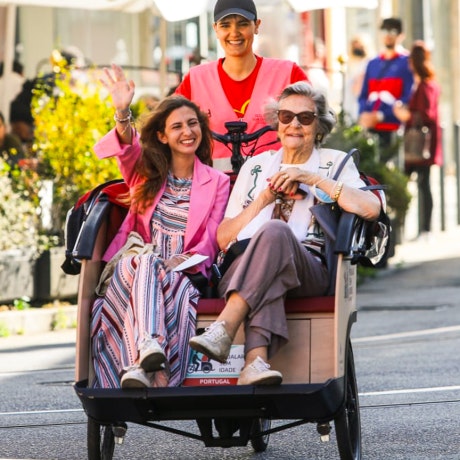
70 117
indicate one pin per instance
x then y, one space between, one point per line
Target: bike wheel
348 422
260 443
100 440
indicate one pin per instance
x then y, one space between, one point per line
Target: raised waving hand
122 92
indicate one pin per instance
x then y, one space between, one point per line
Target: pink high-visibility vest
206 90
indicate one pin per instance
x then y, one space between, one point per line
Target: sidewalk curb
38 320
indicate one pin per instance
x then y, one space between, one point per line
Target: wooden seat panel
303 359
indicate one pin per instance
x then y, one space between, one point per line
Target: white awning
131 6
308 5
171 10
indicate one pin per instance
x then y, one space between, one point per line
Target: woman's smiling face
236 34
182 131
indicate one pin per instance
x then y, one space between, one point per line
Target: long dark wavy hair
156 158
420 60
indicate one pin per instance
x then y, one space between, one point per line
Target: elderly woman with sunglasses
284 256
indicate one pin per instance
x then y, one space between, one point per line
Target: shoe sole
202 349
132 383
271 380
153 362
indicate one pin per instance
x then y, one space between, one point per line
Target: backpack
374 245
377 237
371 247
79 234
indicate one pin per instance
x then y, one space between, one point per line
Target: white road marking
411 390
42 412
401 335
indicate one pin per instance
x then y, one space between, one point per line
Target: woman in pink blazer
142 324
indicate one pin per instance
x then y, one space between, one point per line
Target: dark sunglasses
305 118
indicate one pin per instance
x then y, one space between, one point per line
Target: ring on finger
286 177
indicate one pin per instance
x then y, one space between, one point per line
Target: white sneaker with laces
215 342
259 373
136 377
151 355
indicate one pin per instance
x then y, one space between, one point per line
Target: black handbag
417 142
377 233
236 249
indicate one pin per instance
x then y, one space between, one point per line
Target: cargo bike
319 379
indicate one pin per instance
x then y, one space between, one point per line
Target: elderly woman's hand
287 182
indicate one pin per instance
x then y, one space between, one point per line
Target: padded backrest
323 304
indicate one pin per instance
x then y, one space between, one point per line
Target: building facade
144 40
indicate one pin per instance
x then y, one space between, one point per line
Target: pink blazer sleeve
127 155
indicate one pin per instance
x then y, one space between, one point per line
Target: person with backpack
237 86
270 212
142 322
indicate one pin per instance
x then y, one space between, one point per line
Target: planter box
17 269
50 281
42 279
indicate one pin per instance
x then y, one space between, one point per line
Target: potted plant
377 164
20 239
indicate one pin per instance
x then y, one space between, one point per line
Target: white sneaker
151 355
259 373
215 342
136 377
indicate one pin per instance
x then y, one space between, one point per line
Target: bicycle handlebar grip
224 138
252 136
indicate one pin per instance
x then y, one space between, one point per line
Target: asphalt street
408 370
408 376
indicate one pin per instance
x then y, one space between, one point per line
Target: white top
252 179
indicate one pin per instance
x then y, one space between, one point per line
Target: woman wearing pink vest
238 86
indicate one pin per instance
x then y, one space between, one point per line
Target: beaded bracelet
123 120
338 191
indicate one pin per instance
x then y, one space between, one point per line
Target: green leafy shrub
69 119
374 163
21 304
19 214
4 329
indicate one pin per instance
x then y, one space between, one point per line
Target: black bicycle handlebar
236 135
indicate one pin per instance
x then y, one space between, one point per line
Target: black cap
245 8
392 23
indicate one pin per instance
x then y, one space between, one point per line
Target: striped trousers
143 300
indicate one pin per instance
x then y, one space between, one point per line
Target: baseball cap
245 8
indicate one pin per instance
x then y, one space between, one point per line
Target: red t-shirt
238 92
